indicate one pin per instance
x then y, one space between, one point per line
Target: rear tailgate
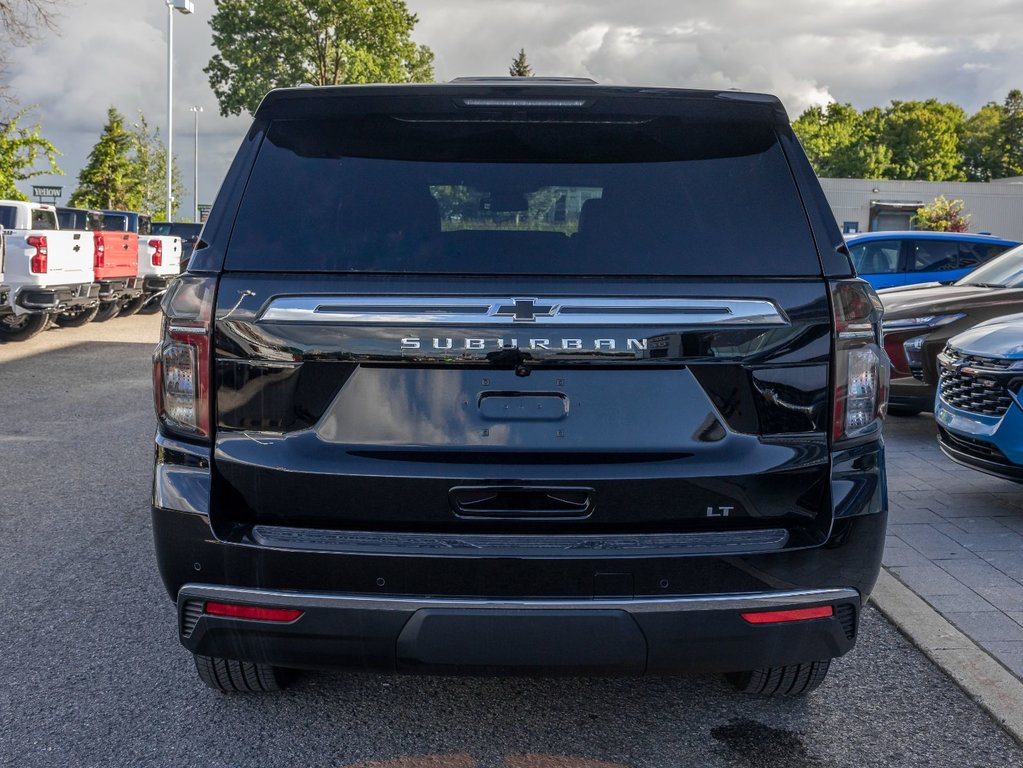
119 255
338 409
524 322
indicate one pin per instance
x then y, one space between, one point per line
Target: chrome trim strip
595 311
727 602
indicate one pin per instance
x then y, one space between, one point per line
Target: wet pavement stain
761 746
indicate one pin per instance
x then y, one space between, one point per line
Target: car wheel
22 327
791 680
107 311
133 306
75 318
231 676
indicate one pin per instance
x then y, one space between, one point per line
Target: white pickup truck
46 270
159 255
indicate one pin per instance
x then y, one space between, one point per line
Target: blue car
978 408
890 259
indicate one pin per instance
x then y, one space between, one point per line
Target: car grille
977 393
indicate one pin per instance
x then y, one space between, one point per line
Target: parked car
159 256
546 437
919 321
978 411
186 230
115 267
890 259
47 270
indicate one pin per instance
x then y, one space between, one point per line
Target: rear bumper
462 636
57 297
117 289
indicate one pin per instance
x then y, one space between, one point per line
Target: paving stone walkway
955 537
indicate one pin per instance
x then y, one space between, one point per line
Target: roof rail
531 79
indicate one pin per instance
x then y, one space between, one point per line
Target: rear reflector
796 614
252 612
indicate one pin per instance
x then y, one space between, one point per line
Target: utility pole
195 109
185 7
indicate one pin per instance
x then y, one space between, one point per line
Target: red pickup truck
116 264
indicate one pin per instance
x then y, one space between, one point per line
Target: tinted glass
1006 270
934 255
161 228
114 222
43 219
8 216
145 225
69 218
876 257
657 197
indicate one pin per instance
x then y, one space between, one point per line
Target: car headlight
926 321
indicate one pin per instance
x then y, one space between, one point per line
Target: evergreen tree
1012 134
110 178
150 157
520 67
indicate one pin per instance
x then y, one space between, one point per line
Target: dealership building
867 205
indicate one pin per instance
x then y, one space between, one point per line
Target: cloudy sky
113 52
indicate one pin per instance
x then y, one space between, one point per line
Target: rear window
43 219
655 196
876 257
8 216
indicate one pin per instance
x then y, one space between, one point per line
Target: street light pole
186 7
195 178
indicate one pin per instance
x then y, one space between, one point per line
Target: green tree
109 179
982 143
942 215
266 44
520 67
842 143
923 137
1012 134
22 150
149 155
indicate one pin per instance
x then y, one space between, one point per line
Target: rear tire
231 676
22 327
791 680
107 311
76 319
132 307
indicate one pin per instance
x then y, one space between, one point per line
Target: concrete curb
992 686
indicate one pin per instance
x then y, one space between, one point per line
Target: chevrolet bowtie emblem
525 310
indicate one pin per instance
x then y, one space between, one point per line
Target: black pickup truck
539 377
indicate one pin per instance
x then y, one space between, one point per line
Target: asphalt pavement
92 673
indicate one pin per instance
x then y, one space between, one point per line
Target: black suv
536 377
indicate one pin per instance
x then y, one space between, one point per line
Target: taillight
181 373
862 368
157 257
792 614
99 248
258 613
39 261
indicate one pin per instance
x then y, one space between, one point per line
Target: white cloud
806 51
